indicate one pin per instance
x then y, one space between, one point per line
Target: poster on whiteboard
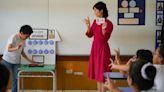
41 46
39 34
131 12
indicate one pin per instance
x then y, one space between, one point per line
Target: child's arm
117 56
110 85
120 67
25 56
133 59
11 48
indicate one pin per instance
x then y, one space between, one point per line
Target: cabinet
73 75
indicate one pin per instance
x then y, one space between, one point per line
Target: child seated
140 78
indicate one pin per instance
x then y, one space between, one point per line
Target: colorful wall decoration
131 12
159 12
41 46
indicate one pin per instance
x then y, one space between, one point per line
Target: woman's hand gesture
87 22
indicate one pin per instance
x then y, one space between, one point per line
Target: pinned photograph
51 34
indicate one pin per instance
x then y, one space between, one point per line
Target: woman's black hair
135 72
26 29
144 54
101 6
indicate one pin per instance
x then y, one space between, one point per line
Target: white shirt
152 90
159 79
15 56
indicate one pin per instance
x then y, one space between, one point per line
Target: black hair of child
26 29
137 77
145 55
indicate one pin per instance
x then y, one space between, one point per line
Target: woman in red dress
100 54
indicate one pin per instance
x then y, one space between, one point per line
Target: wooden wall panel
68 81
73 81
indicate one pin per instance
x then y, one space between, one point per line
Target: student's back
158 61
159 79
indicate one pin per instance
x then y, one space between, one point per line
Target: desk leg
22 82
54 84
18 83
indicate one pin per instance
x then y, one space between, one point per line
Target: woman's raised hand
87 22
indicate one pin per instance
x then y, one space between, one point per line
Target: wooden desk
26 71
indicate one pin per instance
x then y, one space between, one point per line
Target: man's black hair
26 29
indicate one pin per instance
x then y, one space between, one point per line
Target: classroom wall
15 13
67 17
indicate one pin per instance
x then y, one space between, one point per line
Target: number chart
41 46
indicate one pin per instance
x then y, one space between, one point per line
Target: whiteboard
15 13
67 17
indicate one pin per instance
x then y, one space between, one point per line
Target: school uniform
159 79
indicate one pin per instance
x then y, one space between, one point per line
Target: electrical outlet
69 71
78 73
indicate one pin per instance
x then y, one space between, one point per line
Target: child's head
142 74
25 32
158 57
100 9
4 78
144 54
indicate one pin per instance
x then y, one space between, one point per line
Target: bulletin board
159 12
41 46
131 12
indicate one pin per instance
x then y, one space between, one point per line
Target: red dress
100 51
